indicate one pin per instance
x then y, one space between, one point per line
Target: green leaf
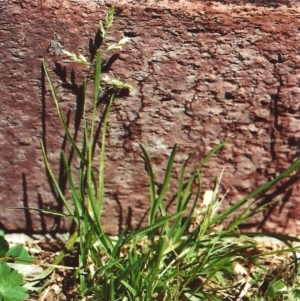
20 253
276 288
296 293
10 284
4 246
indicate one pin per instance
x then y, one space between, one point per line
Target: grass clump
187 255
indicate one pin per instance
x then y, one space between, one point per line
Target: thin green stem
102 159
92 190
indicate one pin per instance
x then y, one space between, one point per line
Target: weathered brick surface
201 72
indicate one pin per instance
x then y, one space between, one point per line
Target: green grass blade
112 289
130 288
92 189
151 179
113 262
180 205
166 182
97 76
135 268
61 118
260 190
117 247
102 159
249 212
78 202
157 261
211 153
45 211
55 182
183 196
179 228
157 203
187 191
148 229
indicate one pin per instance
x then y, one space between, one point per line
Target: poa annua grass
168 259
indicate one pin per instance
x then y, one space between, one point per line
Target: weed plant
11 288
187 255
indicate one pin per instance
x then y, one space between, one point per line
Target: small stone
55 47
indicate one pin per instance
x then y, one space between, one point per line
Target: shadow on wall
280 196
